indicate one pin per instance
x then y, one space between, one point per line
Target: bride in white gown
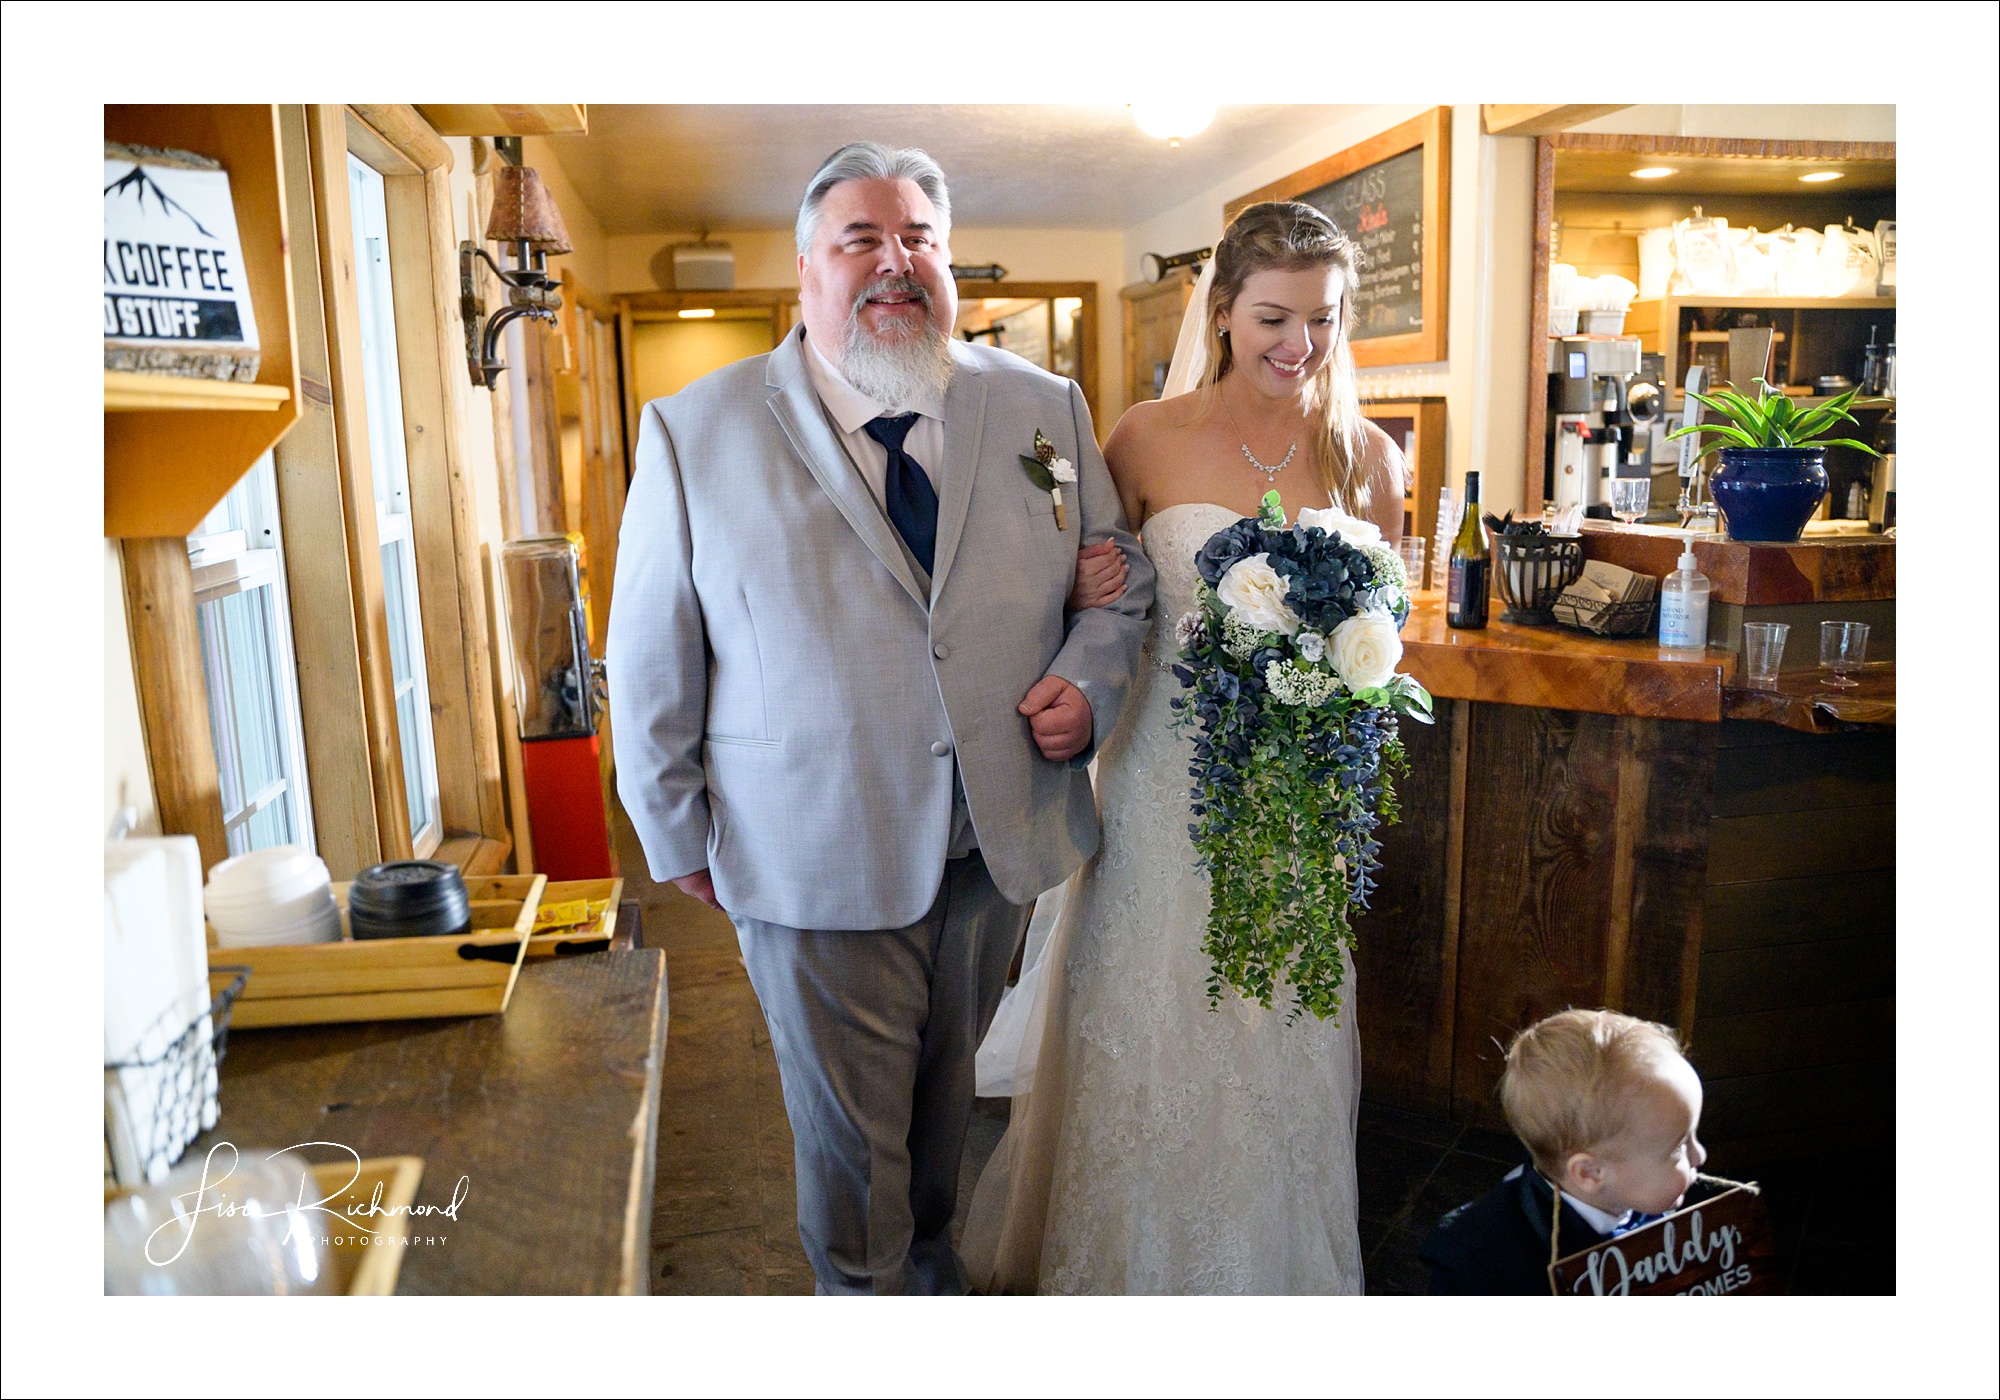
1164 1147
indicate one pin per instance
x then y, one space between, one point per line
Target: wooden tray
592 936
390 979
365 1259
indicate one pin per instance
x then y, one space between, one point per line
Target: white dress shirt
852 411
1602 1221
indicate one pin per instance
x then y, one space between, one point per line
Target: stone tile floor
723 1201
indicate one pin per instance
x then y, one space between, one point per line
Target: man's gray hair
871 160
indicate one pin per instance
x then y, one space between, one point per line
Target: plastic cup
1764 650
1414 550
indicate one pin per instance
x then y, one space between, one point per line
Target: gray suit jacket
787 698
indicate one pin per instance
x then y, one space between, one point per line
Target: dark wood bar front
1585 825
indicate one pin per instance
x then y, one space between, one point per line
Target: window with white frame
246 645
382 390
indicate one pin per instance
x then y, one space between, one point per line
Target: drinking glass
1764 650
1414 548
1843 646
1631 497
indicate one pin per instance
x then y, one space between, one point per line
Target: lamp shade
523 210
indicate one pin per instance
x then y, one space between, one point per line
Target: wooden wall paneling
1666 781
507 444
541 359
173 692
1805 909
1778 845
422 346
332 703
628 385
506 717
1797 1037
1406 941
1765 1117
327 145
468 590
1538 325
1539 829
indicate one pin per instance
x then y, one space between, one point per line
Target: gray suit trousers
875 1033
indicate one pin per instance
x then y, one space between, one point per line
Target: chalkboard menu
1381 208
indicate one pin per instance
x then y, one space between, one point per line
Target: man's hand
1060 718
699 886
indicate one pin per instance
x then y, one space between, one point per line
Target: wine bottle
1465 603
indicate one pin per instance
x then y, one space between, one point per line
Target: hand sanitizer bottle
1684 603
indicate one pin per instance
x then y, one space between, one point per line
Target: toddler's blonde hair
1562 1089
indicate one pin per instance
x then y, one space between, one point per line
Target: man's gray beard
897 374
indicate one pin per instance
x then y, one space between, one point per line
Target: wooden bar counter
1591 823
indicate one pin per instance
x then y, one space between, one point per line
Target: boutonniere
1051 473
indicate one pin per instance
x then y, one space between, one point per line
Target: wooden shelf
174 447
131 393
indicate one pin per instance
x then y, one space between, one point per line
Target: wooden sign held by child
1719 1244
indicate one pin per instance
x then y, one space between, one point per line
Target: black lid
408 889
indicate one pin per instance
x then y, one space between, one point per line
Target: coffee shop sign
174 278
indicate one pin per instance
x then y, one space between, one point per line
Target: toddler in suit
1607 1108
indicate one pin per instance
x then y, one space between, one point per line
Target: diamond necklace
1270 470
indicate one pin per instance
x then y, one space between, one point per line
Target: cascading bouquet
1289 661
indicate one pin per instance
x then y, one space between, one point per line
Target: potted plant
1773 471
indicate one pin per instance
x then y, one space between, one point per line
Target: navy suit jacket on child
1499 1244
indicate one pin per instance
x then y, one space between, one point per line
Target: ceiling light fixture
1653 172
698 313
1820 177
1173 119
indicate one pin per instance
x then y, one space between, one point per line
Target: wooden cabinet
1416 426
1153 313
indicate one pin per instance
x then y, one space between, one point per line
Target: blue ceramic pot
1767 494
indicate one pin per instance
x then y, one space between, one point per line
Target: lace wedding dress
1165 1147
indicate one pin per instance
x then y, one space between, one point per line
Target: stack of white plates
278 895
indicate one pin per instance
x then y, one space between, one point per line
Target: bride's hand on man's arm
1101 570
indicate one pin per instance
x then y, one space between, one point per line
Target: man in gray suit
849 706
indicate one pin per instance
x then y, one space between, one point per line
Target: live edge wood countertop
1557 669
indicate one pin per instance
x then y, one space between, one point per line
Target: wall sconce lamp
525 216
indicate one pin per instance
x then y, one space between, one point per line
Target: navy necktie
908 496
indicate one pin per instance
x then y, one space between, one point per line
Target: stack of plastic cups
280 895
1450 509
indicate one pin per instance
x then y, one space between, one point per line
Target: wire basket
1632 619
182 1096
1531 570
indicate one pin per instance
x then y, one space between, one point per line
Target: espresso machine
1594 432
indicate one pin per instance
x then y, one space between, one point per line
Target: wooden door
1153 314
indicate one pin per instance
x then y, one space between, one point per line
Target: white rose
1255 593
1339 522
1062 470
1364 650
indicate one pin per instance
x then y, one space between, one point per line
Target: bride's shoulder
1145 427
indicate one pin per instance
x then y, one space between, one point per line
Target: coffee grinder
1591 428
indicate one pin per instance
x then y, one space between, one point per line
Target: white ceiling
648 169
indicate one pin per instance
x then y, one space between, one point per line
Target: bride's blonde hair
1289 237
